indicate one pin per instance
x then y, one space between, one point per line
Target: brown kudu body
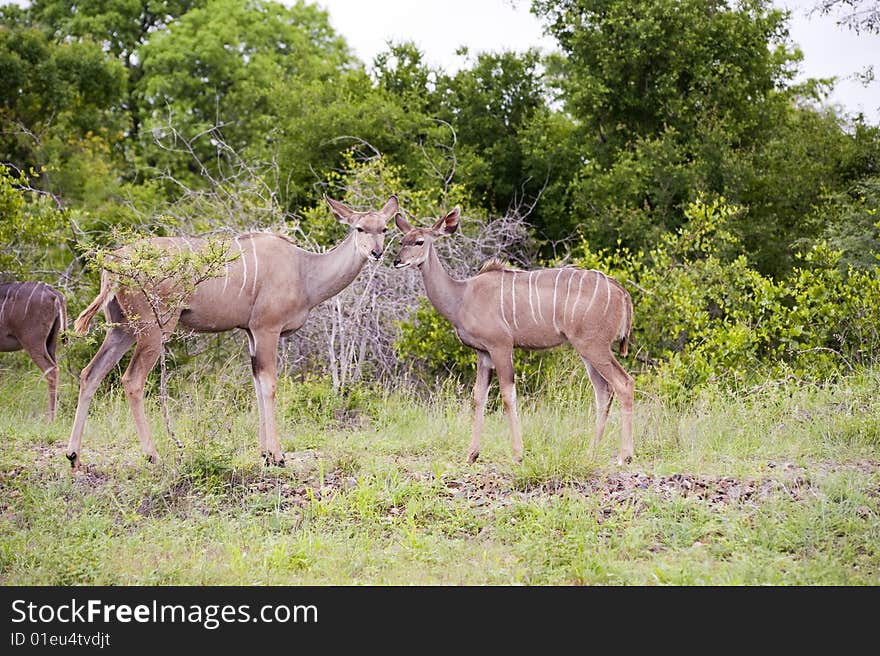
500 309
32 315
267 290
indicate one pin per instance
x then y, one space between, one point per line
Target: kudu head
416 242
370 227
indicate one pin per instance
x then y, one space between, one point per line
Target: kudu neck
330 272
444 292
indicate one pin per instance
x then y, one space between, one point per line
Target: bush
30 229
703 315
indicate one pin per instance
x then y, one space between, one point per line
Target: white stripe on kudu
531 304
243 266
513 296
501 296
567 294
577 298
538 290
593 297
608 289
555 284
30 296
228 267
5 300
256 265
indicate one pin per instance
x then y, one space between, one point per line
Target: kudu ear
448 224
341 211
390 207
402 224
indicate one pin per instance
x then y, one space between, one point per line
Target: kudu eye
419 242
359 229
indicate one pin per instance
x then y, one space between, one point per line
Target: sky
440 27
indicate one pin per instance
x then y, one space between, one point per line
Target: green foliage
854 227
788 179
30 227
638 197
312 400
402 73
704 316
366 119
673 99
490 104
62 99
121 25
637 68
219 66
192 116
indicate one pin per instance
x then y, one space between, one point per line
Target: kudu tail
81 325
625 333
61 305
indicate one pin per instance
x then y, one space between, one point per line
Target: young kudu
32 315
499 309
267 291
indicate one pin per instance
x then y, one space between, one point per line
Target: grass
778 487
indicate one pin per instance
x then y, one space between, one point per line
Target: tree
59 107
219 66
120 26
489 105
673 98
30 229
401 71
636 68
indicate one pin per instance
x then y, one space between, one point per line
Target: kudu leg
604 395
481 394
47 364
116 343
622 385
265 370
503 362
146 354
52 375
261 410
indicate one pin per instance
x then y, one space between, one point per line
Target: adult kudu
499 309
32 315
267 291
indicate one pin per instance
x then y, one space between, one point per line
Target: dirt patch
490 488
618 489
306 480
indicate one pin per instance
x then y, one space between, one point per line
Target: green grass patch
779 486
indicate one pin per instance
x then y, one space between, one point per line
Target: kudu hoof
74 460
271 460
624 460
472 457
153 459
